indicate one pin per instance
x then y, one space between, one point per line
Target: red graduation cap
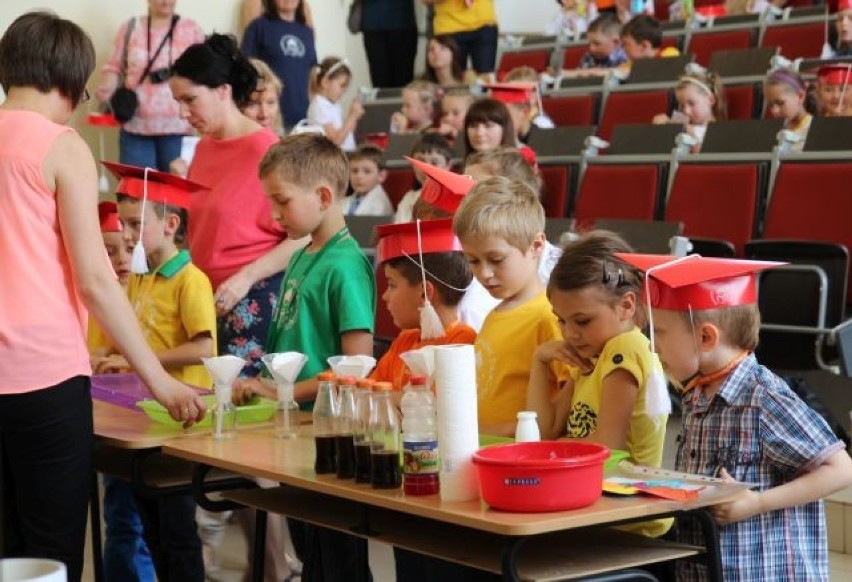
696 282
836 74
508 93
443 189
162 187
108 217
399 240
844 5
102 120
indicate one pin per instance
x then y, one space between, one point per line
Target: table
391 516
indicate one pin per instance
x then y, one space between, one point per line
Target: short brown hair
452 268
507 162
642 28
489 110
161 210
740 325
306 160
370 153
46 52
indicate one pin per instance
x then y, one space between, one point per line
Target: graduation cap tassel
430 324
138 261
103 183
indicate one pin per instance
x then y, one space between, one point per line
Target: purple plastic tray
122 389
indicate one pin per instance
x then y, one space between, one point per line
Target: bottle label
420 457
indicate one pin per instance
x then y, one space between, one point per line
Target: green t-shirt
323 295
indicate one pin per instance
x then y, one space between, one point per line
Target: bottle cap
366 383
347 381
325 377
417 380
525 414
383 387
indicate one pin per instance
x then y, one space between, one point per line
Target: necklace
705 379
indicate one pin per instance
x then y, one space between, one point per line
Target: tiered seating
795 39
629 106
538 58
558 153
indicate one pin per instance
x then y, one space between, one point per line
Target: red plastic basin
541 476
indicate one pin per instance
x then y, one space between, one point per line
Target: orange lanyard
706 379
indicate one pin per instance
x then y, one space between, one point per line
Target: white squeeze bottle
419 439
527 429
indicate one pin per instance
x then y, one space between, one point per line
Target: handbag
356 12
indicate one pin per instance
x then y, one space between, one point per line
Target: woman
473 25
390 40
51 241
443 62
152 138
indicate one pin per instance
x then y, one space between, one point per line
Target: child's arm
618 396
552 415
339 134
832 475
186 354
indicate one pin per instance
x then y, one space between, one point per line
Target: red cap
162 187
844 5
417 380
399 240
837 74
696 282
347 381
108 217
444 189
509 93
326 377
102 120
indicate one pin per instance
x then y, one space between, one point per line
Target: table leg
712 551
510 559
258 556
95 517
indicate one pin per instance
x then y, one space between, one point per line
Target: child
843 24
641 38
605 50
366 175
786 98
329 82
742 422
263 106
454 106
432 149
572 19
174 305
447 275
500 224
833 90
608 397
418 108
537 115
488 125
516 97
701 99
506 162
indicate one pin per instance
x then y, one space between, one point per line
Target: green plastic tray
615 457
255 410
487 440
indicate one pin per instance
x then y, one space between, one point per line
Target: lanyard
706 379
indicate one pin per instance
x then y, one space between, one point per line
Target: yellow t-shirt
173 305
452 16
504 353
629 351
96 340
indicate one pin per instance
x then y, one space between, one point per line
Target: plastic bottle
527 429
345 447
384 436
324 416
419 439
286 414
361 432
224 417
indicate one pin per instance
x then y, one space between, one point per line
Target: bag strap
123 72
175 18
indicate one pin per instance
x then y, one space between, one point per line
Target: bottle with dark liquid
361 432
384 437
345 428
324 417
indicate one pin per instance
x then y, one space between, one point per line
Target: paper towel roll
458 434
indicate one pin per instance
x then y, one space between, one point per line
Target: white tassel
139 261
103 183
430 324
657 401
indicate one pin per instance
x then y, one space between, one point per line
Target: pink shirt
42 318
158 112
231 224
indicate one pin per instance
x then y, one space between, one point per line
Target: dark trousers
46 454
390 54
328 555
480 45
171 534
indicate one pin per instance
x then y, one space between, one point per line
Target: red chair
717 201
554 190
385 328
617 191
704 44
632 107
571 110
397 183
538 59
741 101
796 40
571 56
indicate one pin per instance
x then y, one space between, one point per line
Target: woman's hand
231 292
183 403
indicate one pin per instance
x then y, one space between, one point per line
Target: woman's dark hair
270 10
458 65
43 51
484 111
218 61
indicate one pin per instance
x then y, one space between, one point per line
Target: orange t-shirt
391 368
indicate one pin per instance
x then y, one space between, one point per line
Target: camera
160 75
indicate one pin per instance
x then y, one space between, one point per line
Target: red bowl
541 476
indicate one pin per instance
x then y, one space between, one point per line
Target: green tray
487 440
255 410
615 457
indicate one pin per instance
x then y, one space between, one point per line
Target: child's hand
564 352
399 123
112 364
660 119
745 505
356 109
245 388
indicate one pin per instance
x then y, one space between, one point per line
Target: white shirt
373 203
323 112
405 208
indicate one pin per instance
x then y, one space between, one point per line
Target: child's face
696 104
485 137
504 270
417 112
676 344
438 55
454 109
784 103
403 299
844 26
434 158
152 232
833 100
590 317
635 49
263 107
569 4
333 89
364 175
297 209
601 44
119 255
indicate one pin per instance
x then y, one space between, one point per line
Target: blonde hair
459 93
427 92
266 78
501 207
523 74
306 160
710 84
506 162
740 325
329 68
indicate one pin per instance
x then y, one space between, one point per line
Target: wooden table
467 532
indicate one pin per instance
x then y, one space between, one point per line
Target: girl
433 149
418 108
701 99
443 62
833 91
787 98
612 390
263 105
488 126
454 106
329 81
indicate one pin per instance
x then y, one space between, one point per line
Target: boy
500 224
539 117
366 175
447 277
833 93
641 38
521 99
433 149
418 108
605 50
174 305
742 422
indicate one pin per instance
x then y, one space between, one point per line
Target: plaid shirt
615 58
761 432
